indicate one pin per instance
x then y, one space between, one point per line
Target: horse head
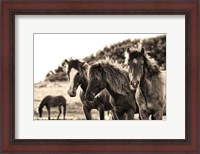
76 77
136 62
96 82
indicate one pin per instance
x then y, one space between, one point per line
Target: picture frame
188 8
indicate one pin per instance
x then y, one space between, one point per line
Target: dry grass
74 105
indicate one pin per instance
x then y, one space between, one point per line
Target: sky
51 49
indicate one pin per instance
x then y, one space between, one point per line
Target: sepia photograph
99 76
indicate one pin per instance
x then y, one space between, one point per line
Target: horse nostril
134 84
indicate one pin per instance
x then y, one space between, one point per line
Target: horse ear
128 50
66 61
142 51
81 63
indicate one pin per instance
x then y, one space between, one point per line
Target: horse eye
96 80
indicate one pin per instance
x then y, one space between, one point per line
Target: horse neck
112 92
43 103
145 82
84 83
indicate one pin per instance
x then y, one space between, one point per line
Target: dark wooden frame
184 7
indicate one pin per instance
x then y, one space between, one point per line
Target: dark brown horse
79 78
53 101
114 78
149 82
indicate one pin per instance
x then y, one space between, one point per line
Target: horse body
105 75
53 101
101 102
149 83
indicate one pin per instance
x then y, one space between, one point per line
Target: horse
53 101
78 78
149 82
108 75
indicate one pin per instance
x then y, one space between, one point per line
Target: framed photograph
100 76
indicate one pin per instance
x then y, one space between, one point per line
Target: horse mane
115 75
84 68
44 101
151 64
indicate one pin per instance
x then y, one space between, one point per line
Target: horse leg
140 117
87 112
157 115
130 114
101 112
114 115
120 115
143 115
64 111
49 112
59 112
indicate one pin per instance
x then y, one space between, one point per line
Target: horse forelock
115 76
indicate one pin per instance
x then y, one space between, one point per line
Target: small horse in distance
113 77
80 78
149 82
53 101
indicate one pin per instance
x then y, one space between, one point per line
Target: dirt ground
74 105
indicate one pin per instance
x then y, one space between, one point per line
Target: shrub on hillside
156 48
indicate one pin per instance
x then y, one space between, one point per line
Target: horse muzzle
135 84
71 93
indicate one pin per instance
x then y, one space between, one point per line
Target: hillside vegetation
156 48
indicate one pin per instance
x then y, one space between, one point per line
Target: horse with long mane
53 101
111 76
80 78
149 82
